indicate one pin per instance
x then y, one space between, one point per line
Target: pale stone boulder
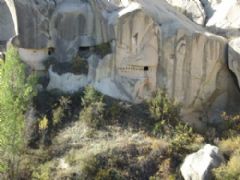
34 57
234 57
223 17
193 9
198 166
136 53
67 82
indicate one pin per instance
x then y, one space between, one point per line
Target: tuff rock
198 165
132 48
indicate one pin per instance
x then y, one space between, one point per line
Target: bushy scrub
230 147
58 112
165 112
231 170
168 124
109 174
231 125
42 172
93 111
16 92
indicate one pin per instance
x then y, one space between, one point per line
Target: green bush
162 108
91 96
42 172
230 171
16 92
58 112
231 125
230 146
184 139
109 174
92 115
165 112
93 111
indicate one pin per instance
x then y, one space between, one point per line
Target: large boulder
193 9
223 16
198 166
234 57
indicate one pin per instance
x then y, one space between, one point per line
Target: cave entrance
84 49
146 68
51 50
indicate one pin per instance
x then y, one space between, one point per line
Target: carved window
51 50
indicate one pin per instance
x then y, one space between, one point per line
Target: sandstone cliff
147 45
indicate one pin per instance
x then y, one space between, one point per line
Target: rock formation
198 165
234 57
132 48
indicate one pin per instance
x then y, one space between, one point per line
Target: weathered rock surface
234 57
193 9
198 165
151 46
6 23
67 82
223 16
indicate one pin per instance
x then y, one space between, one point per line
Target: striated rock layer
131 48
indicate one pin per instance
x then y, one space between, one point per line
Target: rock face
234 57
198 165
193 9
223 16
6 23
132 48
67 82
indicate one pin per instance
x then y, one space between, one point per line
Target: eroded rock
6 23
223 17
198 165
67 82
132 49
234 57
193 9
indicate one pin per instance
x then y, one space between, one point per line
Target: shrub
58 112
114 110
42 172
109 174
93 111
91 96
183 138
92 115
229 146
165 112
229 171
43 124
231 124
162 108
16 92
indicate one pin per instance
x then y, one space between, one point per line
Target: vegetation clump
165 112
16 92
93 108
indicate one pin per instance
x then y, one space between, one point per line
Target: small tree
93 111
16 92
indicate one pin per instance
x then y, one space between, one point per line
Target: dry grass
230 145
81 143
